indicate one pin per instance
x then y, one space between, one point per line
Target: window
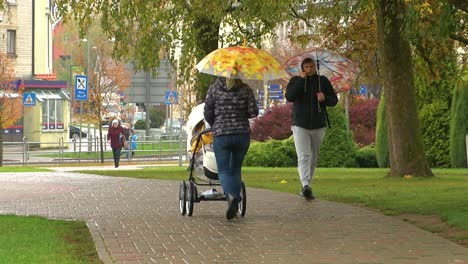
52 114
11 41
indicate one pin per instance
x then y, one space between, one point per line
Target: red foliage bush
274 124
362 120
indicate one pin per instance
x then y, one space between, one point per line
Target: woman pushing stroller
228 106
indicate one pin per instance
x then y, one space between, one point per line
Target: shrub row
281 153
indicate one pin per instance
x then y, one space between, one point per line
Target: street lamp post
87 40
71 89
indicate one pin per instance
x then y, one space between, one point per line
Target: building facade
26 37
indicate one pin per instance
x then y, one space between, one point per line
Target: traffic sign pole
81 126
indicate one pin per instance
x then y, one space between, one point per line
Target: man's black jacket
305 111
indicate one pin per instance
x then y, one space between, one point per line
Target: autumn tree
192 29
187 30
430 30
107 79
11 104
406 151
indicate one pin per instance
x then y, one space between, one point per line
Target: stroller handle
204 131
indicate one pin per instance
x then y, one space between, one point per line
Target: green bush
337 150
140 124
271 153
459 126
366 158
157 117
381 139
433 100
435 119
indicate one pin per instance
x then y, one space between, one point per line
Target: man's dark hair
306 61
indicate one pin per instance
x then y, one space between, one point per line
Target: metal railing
153 148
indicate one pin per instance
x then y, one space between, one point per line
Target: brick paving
138 221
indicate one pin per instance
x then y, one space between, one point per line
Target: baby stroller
202 168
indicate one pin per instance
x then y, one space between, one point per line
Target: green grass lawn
38 240
21 169
444 195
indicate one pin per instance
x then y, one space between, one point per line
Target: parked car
74 132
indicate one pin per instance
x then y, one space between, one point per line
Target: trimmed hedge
459 126
433 99
366 158
435 123
337 150
271 153
381 139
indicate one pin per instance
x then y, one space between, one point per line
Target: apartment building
26 37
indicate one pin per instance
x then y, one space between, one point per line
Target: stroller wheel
243 204
182 195
190 198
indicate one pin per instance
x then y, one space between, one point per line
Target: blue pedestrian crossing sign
362 90
170 97
81 87
29 99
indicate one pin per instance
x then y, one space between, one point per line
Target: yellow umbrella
241 62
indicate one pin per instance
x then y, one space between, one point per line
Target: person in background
228 106
116 139
127 130
133 143
310 94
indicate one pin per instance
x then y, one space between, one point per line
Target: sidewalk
138 221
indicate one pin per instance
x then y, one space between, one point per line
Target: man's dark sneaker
307 192
233 203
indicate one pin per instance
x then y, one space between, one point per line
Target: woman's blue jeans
230 151
116 154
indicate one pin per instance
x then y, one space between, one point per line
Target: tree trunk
406 151
208 42
101 145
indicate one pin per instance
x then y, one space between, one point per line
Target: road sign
274 87
362 90
170 97
29 99
81 87
272 94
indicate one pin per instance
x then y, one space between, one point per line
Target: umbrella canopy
240 62
341 71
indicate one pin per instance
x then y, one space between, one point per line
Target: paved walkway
138 221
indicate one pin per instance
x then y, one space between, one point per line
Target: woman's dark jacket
115 134
228 111
305 111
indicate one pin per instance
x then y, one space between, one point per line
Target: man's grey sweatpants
307 143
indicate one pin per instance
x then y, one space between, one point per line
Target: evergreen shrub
271 153
381 138
338 148
140 124
366 158
459 127
435 124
